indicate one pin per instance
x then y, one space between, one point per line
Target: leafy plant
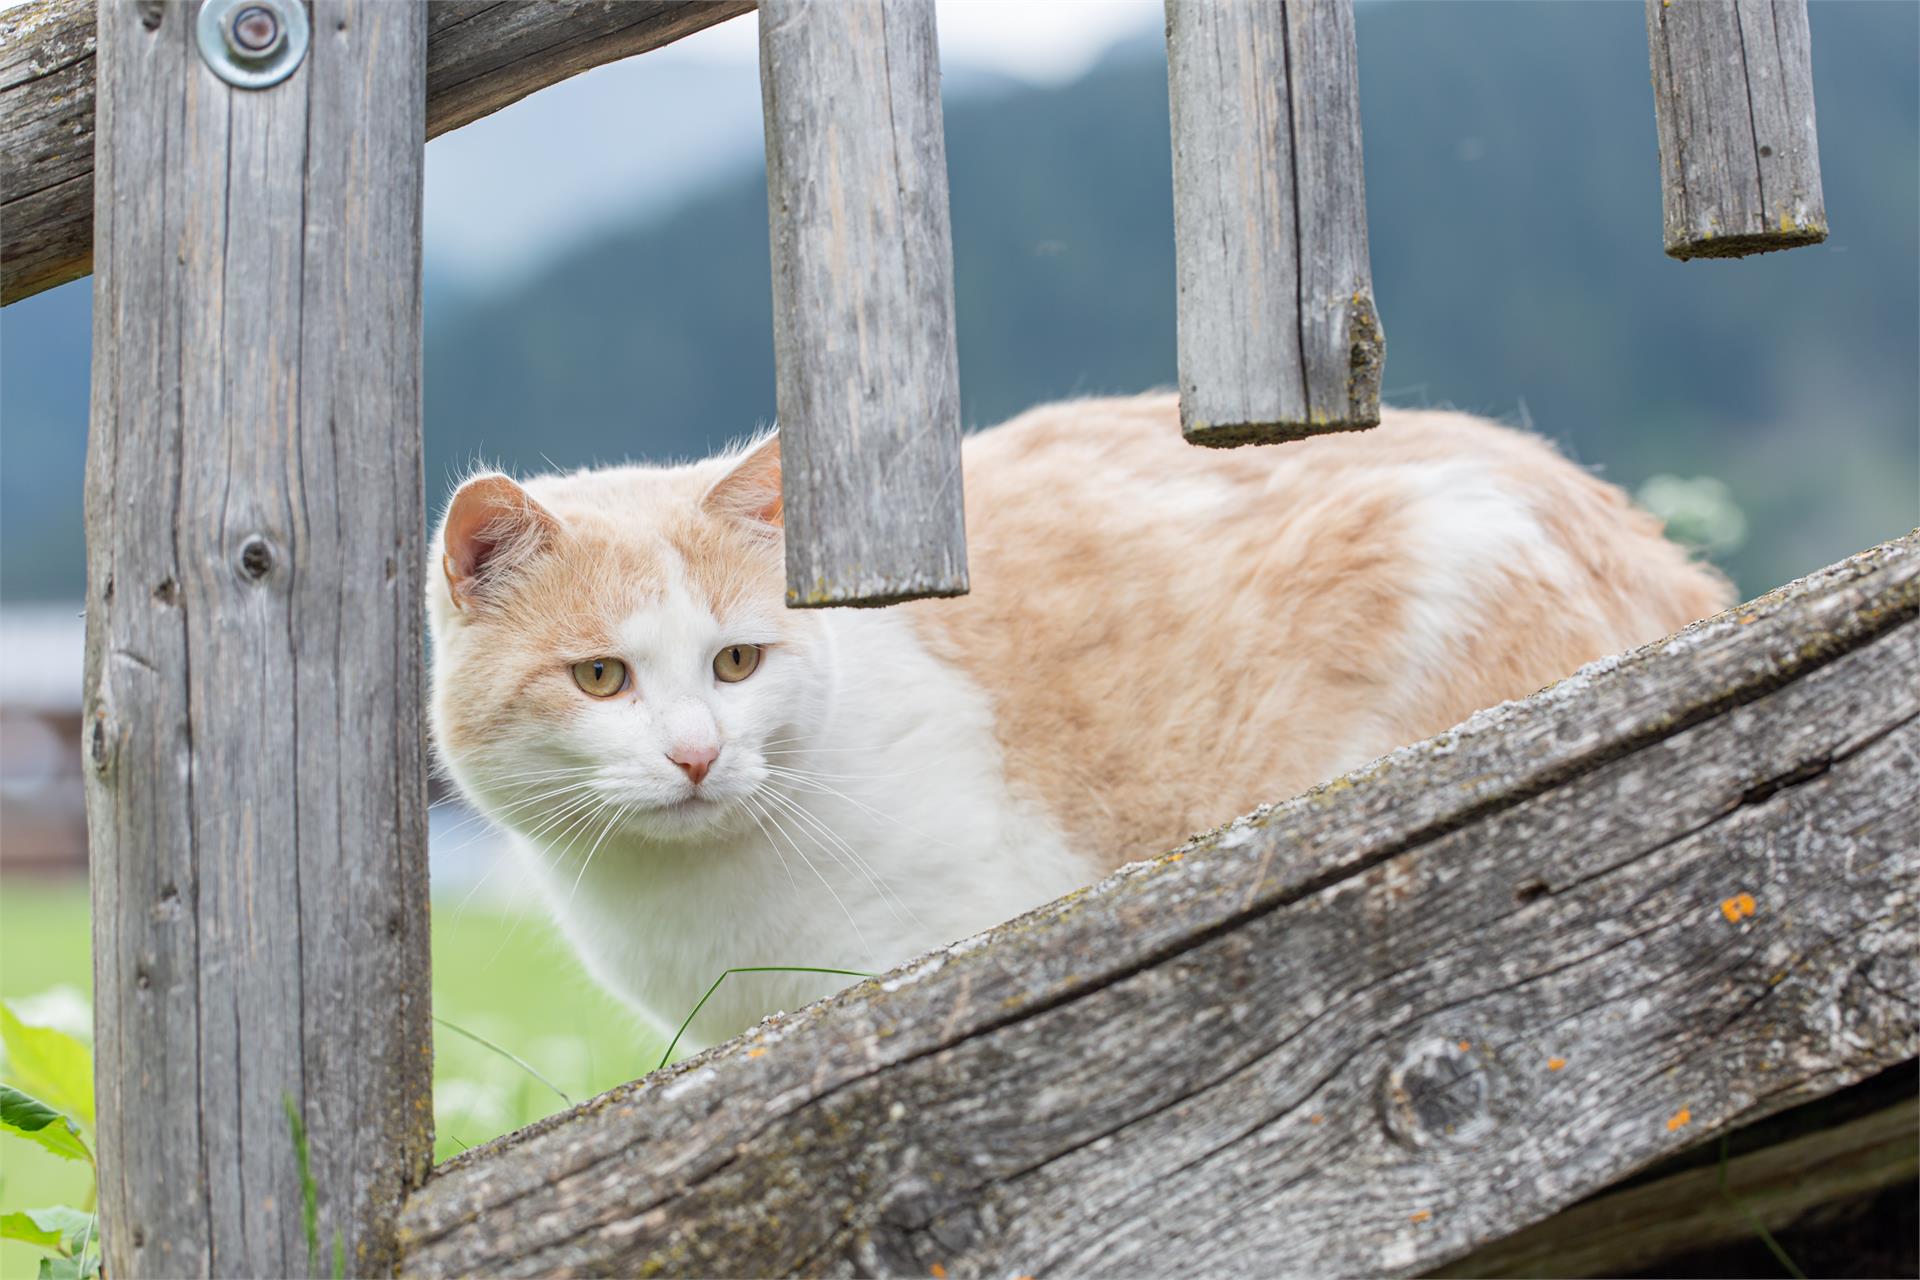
58 1070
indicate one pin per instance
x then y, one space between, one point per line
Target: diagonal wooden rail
1367 1030
482 55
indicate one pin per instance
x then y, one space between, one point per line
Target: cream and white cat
1159 637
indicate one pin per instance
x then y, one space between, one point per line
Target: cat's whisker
579 825
853 777
495 826
619 815
787 866
566 812
817 787
774 818
518 800
489 825
802 814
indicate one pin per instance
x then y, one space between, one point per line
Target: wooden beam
1365 1031
867 381
1278 336
1821 1165
482 55
256 791
1733 102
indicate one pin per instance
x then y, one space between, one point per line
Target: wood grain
482 55
1278 335
46 145
1828 1168
1733 103
256 789
1323 1038
867 380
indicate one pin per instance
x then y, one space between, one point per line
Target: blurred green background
499 973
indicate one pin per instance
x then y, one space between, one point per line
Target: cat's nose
694 761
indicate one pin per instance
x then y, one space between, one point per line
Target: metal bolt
254 31
253 44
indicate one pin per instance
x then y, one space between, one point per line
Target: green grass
506 977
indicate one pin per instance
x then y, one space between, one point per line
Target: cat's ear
751 490
492 525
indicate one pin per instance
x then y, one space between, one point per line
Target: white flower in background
64 1008
1699 512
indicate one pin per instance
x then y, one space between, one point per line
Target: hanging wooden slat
1278 335
256 791
1733 98
868 381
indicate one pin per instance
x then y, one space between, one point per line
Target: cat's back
1171 635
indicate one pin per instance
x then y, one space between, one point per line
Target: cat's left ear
751 491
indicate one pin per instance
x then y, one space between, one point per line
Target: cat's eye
736 662
601 677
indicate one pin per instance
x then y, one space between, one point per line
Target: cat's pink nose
694 761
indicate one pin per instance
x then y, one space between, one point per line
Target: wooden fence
1346 1011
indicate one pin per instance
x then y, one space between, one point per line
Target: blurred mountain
1514 204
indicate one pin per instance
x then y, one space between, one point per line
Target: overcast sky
1043 41
507 193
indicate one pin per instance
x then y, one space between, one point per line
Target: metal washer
240 68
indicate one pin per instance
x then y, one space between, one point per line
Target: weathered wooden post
1733 99
256 798
868 381
1278 336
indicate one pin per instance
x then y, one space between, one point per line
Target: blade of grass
510 1056
309 1196
674 1043
1780 1255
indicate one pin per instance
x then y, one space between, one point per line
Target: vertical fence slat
1733 103
256 795
868 381
1278 335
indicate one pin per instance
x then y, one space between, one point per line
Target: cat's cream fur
1159 637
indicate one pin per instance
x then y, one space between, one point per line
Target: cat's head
611 649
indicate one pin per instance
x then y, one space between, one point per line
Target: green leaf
76 1227
72 1234
49 1064
38 1122
59 1269
21 1226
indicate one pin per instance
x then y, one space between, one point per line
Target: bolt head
254 31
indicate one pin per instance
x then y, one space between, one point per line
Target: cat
1158 638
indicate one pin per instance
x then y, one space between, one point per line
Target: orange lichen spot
756 1051
1316 1118
1737 908
1420 1215
1748 619
937 1271
1680 1119
1175 857
1465 1045
1554 1064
